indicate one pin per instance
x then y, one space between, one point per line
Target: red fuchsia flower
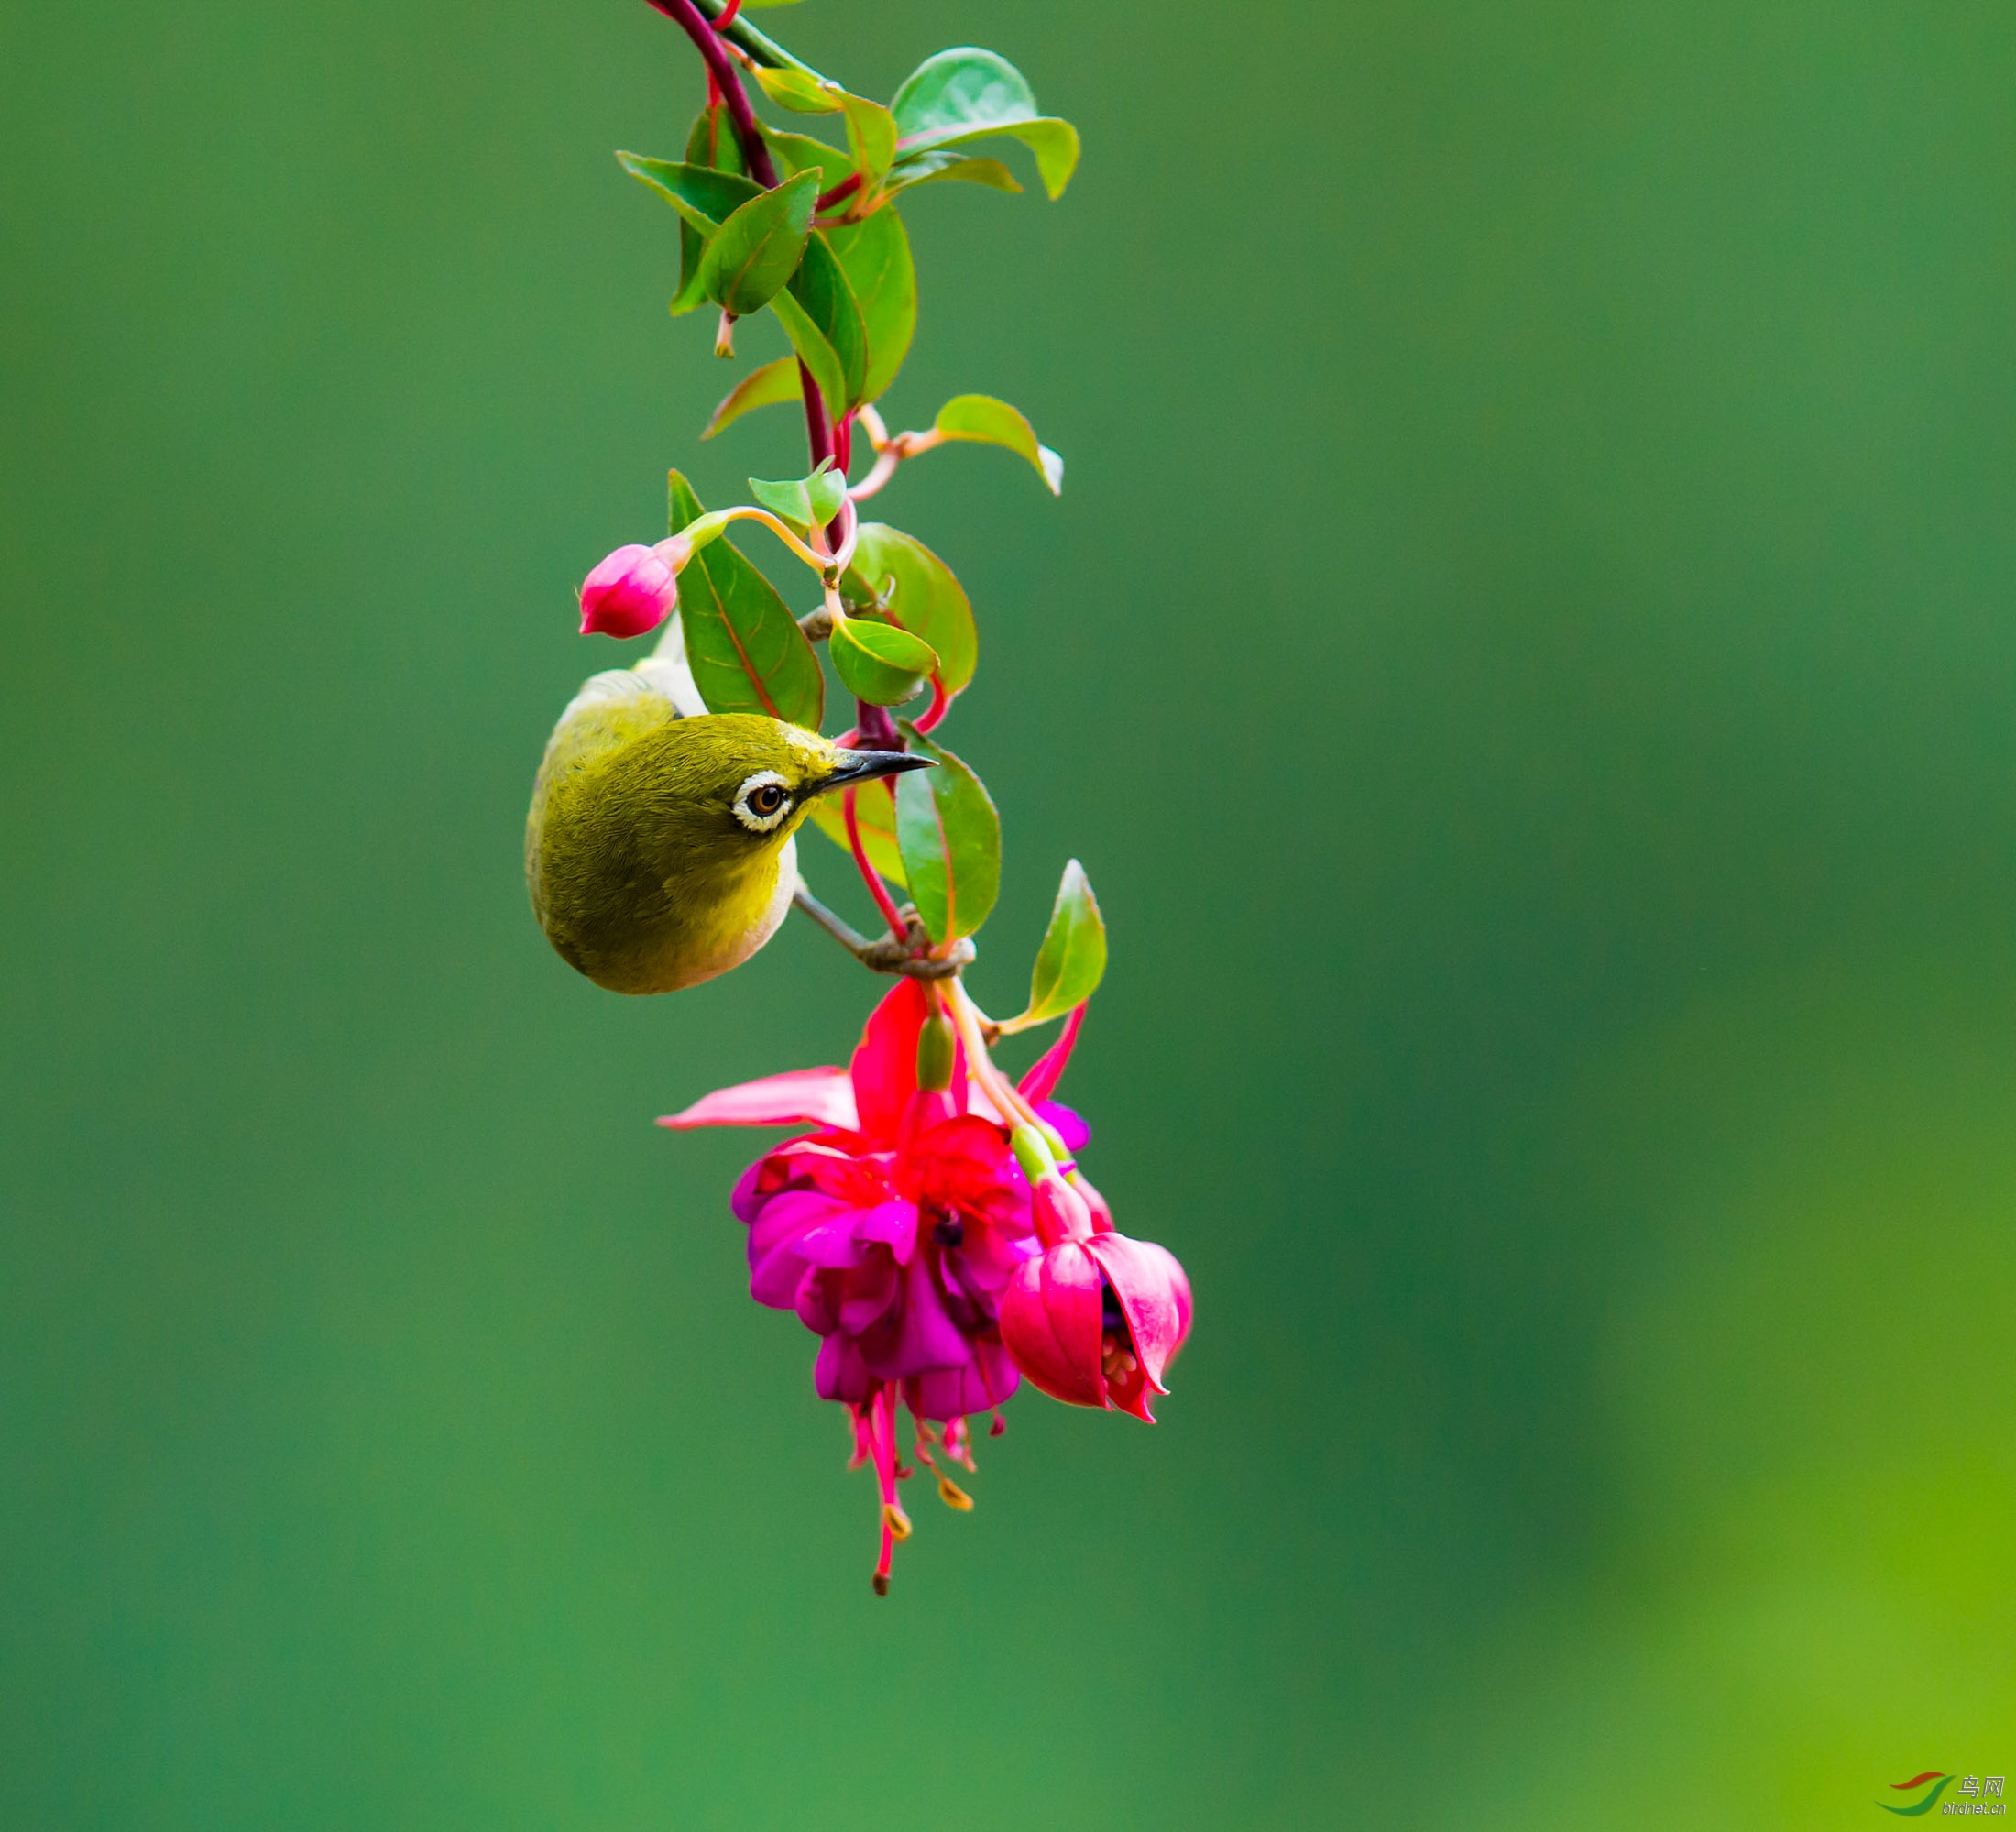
632 591
901 1227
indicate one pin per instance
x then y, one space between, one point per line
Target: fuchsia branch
823 440
928 1223
749 135
851 815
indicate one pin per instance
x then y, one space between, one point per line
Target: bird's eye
762 801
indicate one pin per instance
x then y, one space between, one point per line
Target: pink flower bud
634 590
1096 1322
1058 1211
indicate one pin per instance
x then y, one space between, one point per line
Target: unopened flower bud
934 1052
634 590
1032 1152
1059 1213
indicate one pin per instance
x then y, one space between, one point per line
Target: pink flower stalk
902 1226
632 591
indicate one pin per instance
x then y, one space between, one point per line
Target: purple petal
984 1382
868 1295
1070 1126
894 1224
840 1373
925 1337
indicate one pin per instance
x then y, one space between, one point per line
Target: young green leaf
704 197
921 594
711 145
747 651
802 502
801 152
878 663
870 136
758 248
965 87
800 92
961 96
814 351
874 255
1073 956
823 320
712 141
929 167
988 422
770 386
875 816
951 840
1054 142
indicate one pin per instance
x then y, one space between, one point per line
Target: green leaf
823 320
987 421
799 91
770 386
929 168
712 145
804 500
1073 956
1054 142
874 255
704 197
801 152
878 663
870 135
964 87
759 247
922 595
961 96
746 650
875 815
814 351
951 840
712 142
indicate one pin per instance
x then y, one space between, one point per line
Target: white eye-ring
762 801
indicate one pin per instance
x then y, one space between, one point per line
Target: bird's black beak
864 766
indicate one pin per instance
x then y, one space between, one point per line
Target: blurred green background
1526 653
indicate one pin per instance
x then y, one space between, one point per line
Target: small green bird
658 851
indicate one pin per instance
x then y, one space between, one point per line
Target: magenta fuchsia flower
1097 1320
907 1235
632 591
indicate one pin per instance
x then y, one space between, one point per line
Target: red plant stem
877 728
941 704
748 134
840 193
728 80
886 904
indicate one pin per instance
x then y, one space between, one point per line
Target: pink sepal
815 1097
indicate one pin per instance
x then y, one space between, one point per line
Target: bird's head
754 779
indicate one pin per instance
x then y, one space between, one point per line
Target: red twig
941 704
870 876
840 193
876 726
